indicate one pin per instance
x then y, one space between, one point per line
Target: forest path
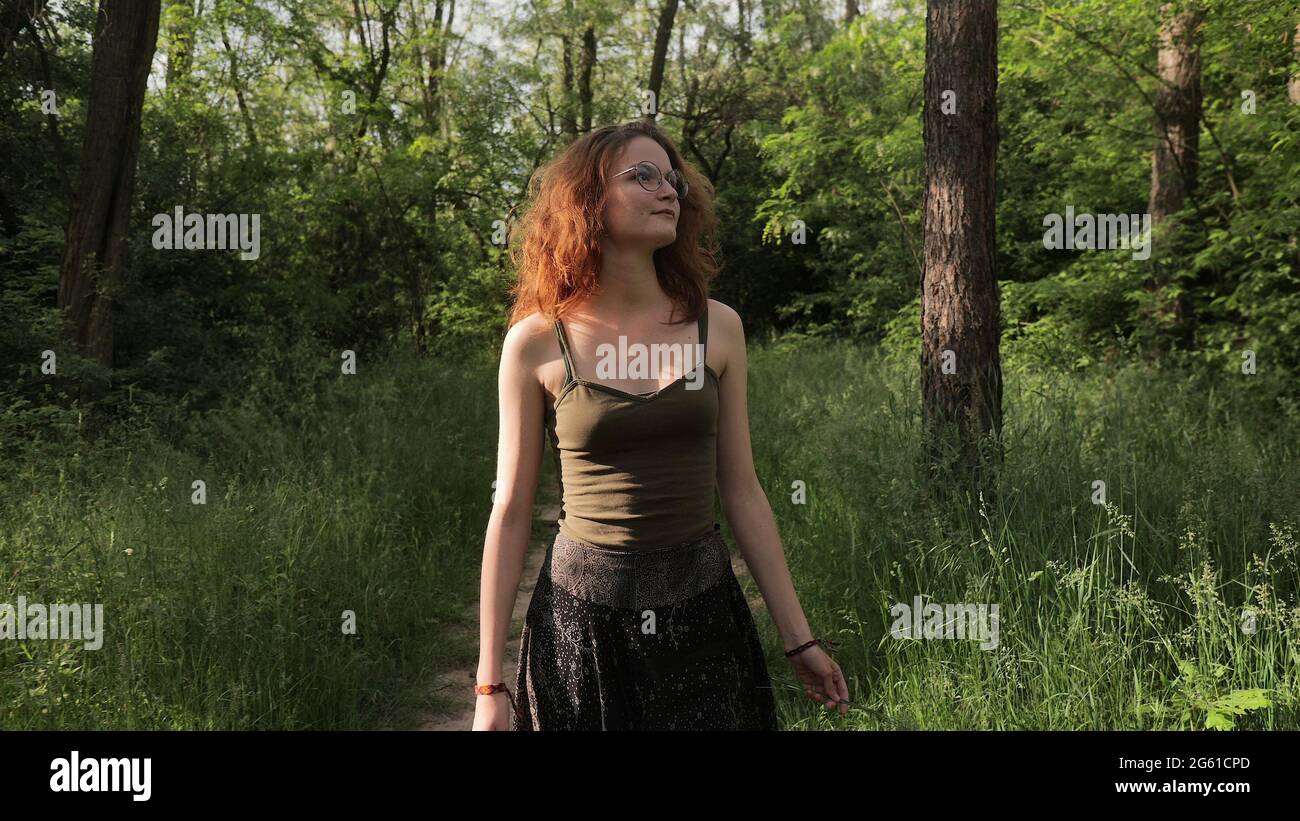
461 679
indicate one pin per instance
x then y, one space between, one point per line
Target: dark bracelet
826 644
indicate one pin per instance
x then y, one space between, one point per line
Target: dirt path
462 679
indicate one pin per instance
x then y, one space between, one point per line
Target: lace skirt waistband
637 578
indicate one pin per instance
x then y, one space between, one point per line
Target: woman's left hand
822 678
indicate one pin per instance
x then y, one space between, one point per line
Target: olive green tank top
637 470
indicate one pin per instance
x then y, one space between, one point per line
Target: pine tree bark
960 315
95 252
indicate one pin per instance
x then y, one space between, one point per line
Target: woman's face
631 217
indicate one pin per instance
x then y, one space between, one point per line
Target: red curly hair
556 249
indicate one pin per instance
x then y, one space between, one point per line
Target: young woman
637 621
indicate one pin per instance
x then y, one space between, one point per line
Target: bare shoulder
723 314
528 343
726 335
532 351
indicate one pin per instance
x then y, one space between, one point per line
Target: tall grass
229 614
1127 614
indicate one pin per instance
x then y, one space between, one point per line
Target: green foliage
386 179
385 185
1075 90
1195 693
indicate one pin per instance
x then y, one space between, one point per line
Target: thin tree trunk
586 69
569 95
663 36
51 120
250 131
960 316
378 69
95 255
1175 162
1178 112
568 122
433 102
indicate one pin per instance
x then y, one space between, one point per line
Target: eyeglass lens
648 176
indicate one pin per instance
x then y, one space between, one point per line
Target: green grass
1125 615
228 615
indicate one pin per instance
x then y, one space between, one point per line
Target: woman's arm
747 510
743 500
519 452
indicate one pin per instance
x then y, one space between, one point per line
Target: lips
668 213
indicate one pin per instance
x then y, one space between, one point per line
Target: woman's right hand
492 712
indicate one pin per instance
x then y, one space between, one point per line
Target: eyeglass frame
663 178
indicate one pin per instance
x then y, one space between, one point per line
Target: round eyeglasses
647 173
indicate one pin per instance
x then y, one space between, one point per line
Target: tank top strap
569 373
704 333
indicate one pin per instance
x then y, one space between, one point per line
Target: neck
628 280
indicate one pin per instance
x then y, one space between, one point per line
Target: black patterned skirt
657 639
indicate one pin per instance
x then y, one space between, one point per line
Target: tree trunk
1175 162
437 65
960 316
568 115
94 258
663 36
568 122
1178 112
51 120
250 131
378 68
586 68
